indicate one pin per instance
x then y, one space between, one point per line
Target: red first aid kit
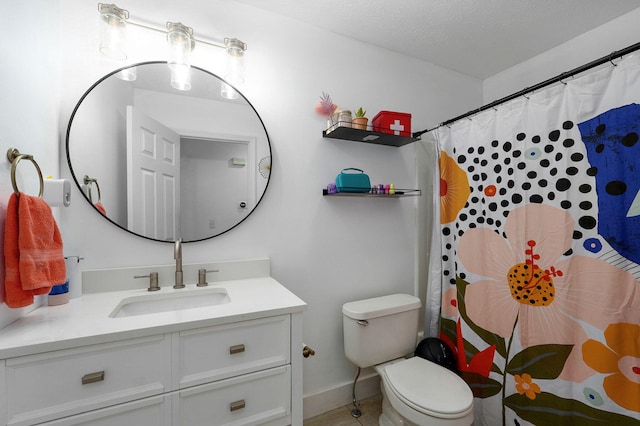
393 123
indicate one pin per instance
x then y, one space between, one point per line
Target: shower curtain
535 267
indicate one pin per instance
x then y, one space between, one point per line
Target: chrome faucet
177 255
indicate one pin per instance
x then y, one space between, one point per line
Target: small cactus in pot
359 120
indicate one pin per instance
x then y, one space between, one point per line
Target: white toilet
379 333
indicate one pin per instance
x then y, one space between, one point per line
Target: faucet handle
153 280
202 277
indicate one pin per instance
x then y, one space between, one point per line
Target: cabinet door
154 411
262 398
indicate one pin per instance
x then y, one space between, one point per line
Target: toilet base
389 416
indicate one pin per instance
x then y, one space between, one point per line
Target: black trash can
436 350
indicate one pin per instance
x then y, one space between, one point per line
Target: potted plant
360 121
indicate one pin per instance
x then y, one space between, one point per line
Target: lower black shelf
399 194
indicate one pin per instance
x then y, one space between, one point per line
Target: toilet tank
380 329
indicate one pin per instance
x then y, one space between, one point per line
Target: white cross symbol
396 127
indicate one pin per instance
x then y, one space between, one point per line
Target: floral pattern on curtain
540 262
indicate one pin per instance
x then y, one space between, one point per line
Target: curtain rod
603 60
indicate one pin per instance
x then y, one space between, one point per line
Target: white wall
601 41
29 94
326 250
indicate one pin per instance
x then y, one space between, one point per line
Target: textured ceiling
476 38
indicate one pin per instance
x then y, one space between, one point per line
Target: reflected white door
153 177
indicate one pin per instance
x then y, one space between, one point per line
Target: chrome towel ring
14 156
90 182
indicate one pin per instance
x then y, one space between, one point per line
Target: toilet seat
428 388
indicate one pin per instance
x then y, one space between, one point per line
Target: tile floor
370 408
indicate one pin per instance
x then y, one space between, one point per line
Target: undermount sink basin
175 301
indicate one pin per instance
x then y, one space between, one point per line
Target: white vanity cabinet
238 373
237 363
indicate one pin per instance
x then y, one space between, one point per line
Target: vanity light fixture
113 23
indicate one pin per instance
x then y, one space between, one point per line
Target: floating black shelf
399 193
367 136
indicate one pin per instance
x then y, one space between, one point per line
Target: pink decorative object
325 106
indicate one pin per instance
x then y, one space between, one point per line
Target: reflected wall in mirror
168 164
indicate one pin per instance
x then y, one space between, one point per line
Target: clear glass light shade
234 67
181 43
113 31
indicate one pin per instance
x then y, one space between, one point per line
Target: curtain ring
14 156
563 76
611 59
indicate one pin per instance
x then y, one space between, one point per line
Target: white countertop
85 320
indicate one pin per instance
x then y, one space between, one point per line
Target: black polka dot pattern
548 167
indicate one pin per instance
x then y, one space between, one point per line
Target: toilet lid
429 387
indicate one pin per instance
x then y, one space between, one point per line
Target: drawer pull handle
236 349
93 377
237 405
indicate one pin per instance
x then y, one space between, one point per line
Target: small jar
344 118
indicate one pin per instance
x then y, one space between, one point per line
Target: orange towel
100 208
14 295
34 260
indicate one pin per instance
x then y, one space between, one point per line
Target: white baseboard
330 399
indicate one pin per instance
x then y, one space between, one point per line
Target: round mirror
167 164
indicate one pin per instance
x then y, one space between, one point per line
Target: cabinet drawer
219 352
262 398
153 411
55 384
